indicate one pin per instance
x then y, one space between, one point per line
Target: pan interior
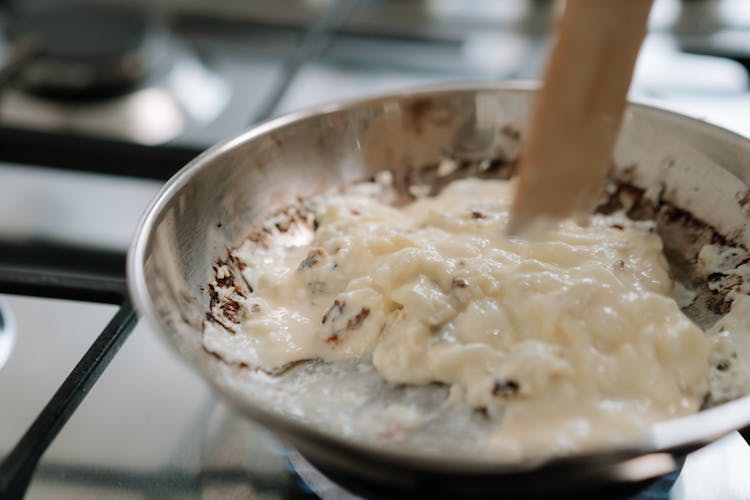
351 398
688 176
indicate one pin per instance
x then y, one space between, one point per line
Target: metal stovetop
149 428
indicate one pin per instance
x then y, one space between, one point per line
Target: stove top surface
149 427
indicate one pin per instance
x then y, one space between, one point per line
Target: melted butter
570 342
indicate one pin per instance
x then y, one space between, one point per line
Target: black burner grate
19 465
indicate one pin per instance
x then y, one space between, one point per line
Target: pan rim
679 435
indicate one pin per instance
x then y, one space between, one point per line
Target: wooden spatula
565 160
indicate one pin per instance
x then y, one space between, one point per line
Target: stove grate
18 466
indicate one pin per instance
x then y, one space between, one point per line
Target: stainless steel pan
209 205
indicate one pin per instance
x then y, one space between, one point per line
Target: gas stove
100 103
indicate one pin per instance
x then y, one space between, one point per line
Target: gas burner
107 72
7 332
315 481
189 95
83 51
326 489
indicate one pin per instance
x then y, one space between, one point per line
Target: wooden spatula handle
565 160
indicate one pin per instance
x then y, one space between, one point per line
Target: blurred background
101 101
193 72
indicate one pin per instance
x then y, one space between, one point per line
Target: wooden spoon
565 161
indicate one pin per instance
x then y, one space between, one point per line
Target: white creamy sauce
568 343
